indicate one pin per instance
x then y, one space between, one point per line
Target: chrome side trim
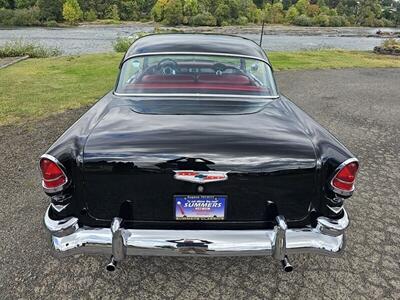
197 53
197 242
61 166
341 166
335 210
194 95
59 207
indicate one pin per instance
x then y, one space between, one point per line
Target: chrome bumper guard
69 239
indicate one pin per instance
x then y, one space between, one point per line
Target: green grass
330 59
36 88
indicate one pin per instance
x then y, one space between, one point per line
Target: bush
21 48
51 24
242 20
204 19
122 44
337 21
302 20
321 20
391 44
388 23
20 17
90 16
379 23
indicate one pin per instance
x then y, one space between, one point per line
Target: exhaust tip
110 268
287 267
112 265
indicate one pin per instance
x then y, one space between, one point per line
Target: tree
313 10
173 12
254 14
286 4
222 14
277 13
157 11
302 6
129 10
145 6
190 7
50 10
9 4
72 11
24 3
259 3
291 14
112 12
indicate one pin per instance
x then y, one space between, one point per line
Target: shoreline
270 29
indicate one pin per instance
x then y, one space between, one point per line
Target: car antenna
262 32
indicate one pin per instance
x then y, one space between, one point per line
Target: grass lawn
36 88
331 59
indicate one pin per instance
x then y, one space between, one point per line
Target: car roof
196 43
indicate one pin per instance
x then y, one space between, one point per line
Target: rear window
196 74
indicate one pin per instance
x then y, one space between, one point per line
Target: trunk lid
130 159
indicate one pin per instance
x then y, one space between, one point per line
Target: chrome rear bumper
69 239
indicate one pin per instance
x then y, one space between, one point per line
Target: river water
92 39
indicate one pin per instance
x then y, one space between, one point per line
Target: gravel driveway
361 107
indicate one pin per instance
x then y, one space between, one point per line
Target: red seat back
230 79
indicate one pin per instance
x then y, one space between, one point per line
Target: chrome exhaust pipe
112 265
287 267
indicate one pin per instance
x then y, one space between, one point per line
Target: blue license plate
200 207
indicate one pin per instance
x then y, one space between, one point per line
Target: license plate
200 207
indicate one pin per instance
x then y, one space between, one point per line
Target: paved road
92 39
361 107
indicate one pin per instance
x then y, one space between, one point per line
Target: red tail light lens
343 181
53 176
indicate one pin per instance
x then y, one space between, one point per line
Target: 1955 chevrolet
196 153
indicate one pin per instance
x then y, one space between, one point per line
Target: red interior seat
230 79
156 78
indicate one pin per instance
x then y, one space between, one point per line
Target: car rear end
197 154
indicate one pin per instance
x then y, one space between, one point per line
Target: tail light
345 177
53 175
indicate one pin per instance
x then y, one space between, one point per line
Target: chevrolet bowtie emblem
201 176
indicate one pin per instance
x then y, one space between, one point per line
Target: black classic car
195 152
